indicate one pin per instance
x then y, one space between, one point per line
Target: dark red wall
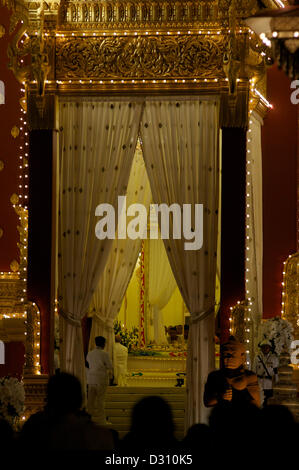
14 360
279 145
9 151
9 117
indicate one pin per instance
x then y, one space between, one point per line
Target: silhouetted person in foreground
62 425
152 426
281 429
236 432
198 443
6 438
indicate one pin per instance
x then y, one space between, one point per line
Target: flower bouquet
279 332
12 399
129 338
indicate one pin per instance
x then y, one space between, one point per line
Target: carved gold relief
35 391
15 131
142 57
14 199
14 266
243 7
2 30
12 329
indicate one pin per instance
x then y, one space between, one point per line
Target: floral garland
279 332
12 398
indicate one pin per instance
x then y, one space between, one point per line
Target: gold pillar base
35 393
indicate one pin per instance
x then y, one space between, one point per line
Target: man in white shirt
120 359
99 371
265 367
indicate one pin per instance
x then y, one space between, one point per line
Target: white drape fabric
254 228
161 286
97 144
180 144
121 262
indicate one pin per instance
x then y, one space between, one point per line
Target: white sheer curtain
180 143
97 144
161 285
254 226
121 262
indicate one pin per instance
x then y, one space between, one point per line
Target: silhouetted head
152 420
64 393
117 338
235 422
198 436
278 425
277 418
100 341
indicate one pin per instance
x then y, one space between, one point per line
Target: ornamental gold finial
231 58
39 59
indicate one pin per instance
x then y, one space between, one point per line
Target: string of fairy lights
23 206
250 303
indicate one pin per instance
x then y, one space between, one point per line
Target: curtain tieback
67 316
198 316
108 323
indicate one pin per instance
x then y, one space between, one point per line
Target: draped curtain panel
181 151
121 262
254 227
97 145
161 286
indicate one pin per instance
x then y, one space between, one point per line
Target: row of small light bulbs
249 201
23 204
143 33
247 326
138 81
36 338
283 284
248 226
275 35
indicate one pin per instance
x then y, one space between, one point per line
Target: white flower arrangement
279 332
12 398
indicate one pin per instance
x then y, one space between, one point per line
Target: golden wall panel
142 57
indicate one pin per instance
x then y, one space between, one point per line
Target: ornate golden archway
100 47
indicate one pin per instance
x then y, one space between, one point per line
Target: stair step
121 400
147 390
136 398
177 413
127 419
